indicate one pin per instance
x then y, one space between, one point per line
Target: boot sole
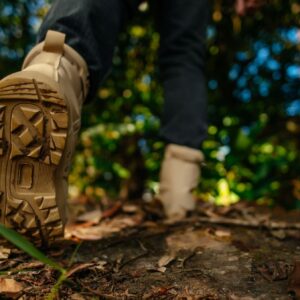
33 133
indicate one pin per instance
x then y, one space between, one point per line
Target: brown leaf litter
239 252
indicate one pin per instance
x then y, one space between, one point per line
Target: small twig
186 258
188 270
267 224
239 222
130 260
98 293
142 246
146 251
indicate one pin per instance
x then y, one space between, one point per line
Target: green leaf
243 141
22 243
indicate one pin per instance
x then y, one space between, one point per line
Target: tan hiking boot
179 175
39 121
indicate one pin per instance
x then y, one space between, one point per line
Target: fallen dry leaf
162 269
130 208
275 270
30 265
293 233
294 281
4 252
100 265
93 217
166 259
77 297
113 210
222 233
238 297
104 229
10 286
78 268
193 239
279 234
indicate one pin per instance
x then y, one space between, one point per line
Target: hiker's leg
182 25
91 28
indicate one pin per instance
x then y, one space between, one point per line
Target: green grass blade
19 241
54 291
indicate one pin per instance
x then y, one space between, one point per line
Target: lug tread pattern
2 121
58 136
38 130
26 138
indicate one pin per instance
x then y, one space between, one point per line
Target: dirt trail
154 260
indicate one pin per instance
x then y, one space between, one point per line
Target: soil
219 253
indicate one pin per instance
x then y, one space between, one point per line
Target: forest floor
128 252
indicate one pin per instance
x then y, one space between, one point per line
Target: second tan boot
179 176
40 110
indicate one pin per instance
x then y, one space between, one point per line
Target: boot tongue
43 68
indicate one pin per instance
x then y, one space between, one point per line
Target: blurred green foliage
253 71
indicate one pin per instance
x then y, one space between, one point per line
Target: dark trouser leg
182 25
91 28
